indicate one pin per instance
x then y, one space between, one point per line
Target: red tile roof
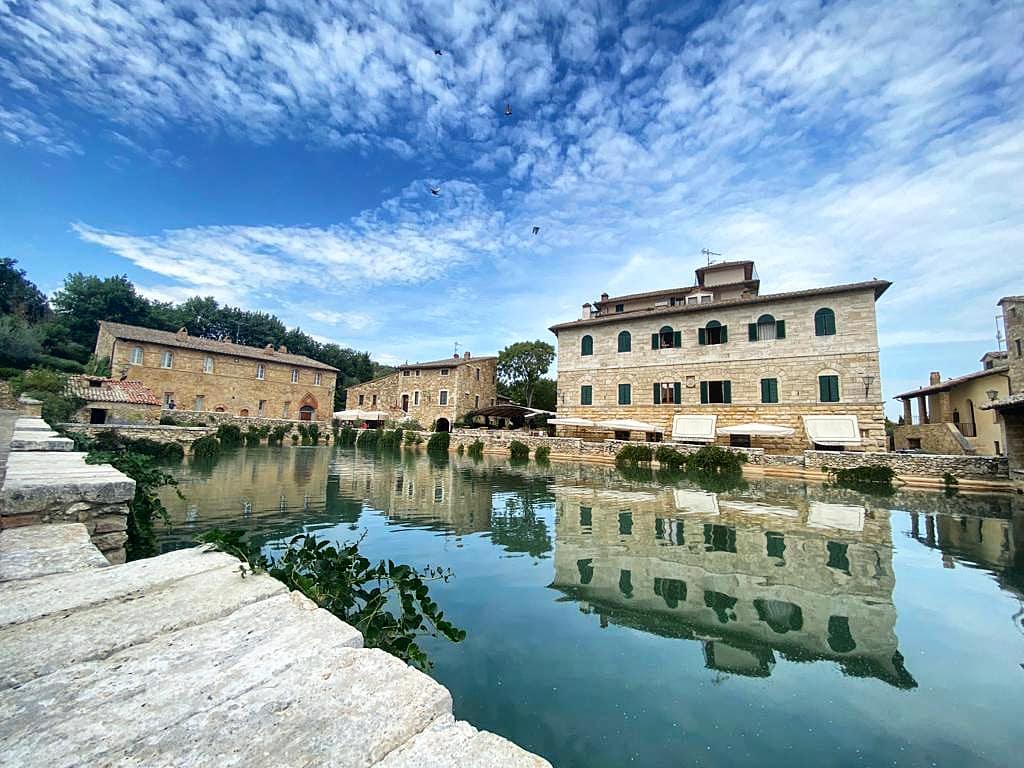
111 390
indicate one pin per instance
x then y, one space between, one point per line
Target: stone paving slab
40 550
38 480
40 441
49 643
455 744
28 600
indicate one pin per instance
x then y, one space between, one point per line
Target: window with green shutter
828 389
667 392
655 341
669 339
713 333
824 322
587 345
625 342
624 394
716 392
769 390
586 395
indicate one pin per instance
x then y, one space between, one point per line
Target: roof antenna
457 345
708 253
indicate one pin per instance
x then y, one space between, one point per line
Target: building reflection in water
752 580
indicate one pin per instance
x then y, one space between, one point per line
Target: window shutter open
752 331
678 392
765 389
677 339
725 333
704 392
823 389
701 337
657 393
780 329
726 391
654 341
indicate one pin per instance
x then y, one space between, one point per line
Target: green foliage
277 434
521 365
411 424
518 450
634 454
113 440
389 604
347 436
60 364
476 449
229 435
19 296
460 449
715 460
156 450
874 479
206 448
85 300
413 438
669 458
254 435
97 366
21 344
947 479
295 438
313 433
542 455
389 439
7 374
368 439
50 388
168 421
439 442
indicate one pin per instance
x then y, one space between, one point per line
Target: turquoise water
616 621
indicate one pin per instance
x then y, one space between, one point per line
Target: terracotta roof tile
111 390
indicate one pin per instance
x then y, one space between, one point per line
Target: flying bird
438 52
435 191
536 230
508 110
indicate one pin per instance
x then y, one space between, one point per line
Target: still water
616 621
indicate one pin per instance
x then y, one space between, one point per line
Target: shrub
9 373
368 439
156 449
254 435
476 449
439 442
870 473
277 434
389 439
634 454
366 596
669 458
412 424
168 421
518 450
460 449
542 455
61 364
206 448
715 460
347 436
412 438
295 439
313 433
229 435
50 388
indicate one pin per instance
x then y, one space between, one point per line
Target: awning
843 517
694 428
357 415
570 421
698 502
629 425
756 428
835 430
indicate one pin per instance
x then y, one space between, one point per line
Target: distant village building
112 401
204 375
717 355
1009 409
436 393
949 415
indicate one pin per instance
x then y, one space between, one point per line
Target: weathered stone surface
451 744
49 643
28 600
32 551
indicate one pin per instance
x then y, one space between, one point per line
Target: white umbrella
629 425
755 428
570 421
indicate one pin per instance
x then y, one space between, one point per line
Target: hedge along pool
616 620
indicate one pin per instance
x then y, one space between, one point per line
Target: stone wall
914 464
942 438
8 402
118 413
184 436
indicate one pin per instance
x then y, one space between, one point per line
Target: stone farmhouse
435 393
1009 409
112 401
691 361
205 375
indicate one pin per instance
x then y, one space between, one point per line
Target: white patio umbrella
629 425
756 428
570 421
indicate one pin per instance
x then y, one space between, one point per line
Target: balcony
967 428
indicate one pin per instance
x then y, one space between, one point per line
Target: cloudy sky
279 155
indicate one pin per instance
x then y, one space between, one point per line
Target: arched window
713 333
136 355
261 371
587 345
625 342
666 338
767 328
824 322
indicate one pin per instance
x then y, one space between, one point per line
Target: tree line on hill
60 333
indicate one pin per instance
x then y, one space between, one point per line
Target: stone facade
214 376
795 362
942 438
416 390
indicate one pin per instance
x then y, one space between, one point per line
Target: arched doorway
306 413
244 412
443 425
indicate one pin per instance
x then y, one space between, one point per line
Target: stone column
922 409
908 412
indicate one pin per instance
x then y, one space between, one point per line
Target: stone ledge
41 550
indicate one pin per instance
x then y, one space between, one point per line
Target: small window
587 345
477 402
361 397
828 389
586 517
444 371
716 392
668 392
416 397
284 410
168 399
839 556
261 371
407 373
1017 343
374 403
417 371
824 322
767 328
478 374
586 395
667 338
624 394
442 397
705 299
713 333
199 403
208 364
167 360
769 390
625 523
775 544
914 444
261 407
295 375
620 307
137 356
317 378
625 342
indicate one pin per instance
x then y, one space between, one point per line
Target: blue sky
278 155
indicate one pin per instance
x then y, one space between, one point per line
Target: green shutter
586 395
678 392
725 333
764 391
654 341
704 392
657 393
677 338
701 337
752 331
769 390
828 389
624 394
726 391
780 329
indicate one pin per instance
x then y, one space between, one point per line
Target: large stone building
205 375
804 360
949 419
435 393
1009 410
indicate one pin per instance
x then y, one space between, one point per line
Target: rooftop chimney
269 349
283 349
587 311
465 355
934 377
182 332
604 297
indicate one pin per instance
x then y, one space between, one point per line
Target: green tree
19 296
86 299
521 366
21 344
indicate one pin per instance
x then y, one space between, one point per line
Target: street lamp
992 394
867 379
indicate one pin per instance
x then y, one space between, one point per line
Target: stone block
451 744
38 550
